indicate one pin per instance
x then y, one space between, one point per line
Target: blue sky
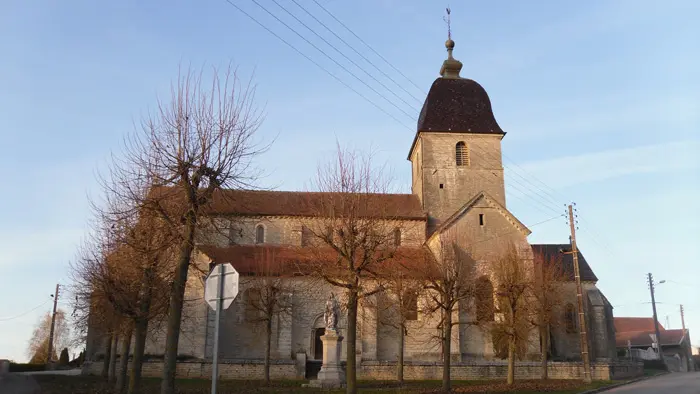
599 99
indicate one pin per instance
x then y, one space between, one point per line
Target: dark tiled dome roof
458 105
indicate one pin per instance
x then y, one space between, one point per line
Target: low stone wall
377 370
279 369
380 370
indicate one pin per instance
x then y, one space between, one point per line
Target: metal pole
579 296
215 356
53 323
656 321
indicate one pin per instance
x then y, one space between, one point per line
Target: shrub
15 367
63 358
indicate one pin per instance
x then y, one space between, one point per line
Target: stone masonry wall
377 370
498 370
203 369
459 184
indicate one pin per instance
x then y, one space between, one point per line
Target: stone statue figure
331 314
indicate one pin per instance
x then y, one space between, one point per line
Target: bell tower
456 152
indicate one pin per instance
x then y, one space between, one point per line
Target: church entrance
318 344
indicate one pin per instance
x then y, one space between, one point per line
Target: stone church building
457 186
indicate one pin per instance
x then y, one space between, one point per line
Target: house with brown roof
636 337
457 188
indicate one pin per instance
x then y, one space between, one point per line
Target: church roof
556 252
457 105
287 260
293 203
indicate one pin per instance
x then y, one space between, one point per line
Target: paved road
674 383
18 384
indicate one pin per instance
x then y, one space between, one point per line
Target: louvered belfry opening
461 154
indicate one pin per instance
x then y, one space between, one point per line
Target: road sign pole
215 358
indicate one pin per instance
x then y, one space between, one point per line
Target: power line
369 46
343 54
27 312
317 64
528 192
330 58
337 78
357 52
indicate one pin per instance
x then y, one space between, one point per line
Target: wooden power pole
579 296
683 319
656 320
53 323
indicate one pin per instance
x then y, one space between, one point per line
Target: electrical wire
317 64
27 312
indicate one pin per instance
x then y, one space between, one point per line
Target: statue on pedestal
331 314
331 374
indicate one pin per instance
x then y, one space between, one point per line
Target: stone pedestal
331 374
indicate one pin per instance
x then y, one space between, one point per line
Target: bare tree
353 234
38 349
270 290
448 274
547 296
122 279
510 332
198 143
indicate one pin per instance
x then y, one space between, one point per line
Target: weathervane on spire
447 20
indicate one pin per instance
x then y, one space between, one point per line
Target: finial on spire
447 20
451 66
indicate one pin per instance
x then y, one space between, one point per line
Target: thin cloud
600 166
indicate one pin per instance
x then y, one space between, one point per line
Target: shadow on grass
96 385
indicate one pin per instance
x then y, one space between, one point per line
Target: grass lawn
95 385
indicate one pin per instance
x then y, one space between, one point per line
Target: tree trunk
399 364
113 359
123 362
447 352
177 295
268 339
108 356
351 366
544 333
511 359
140 331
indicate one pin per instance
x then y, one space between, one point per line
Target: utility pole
579 296
53 322
683 319
656 321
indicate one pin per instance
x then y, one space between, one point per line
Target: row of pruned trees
132 270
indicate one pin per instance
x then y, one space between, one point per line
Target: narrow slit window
442 186
260 234
481 219
461 154
397 237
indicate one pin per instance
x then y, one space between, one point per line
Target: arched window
484 300
570 318
409 305
461 154
397 237
259 234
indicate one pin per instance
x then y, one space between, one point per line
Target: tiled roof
629 324
291 260
644 338
458 105
292 203
554 252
